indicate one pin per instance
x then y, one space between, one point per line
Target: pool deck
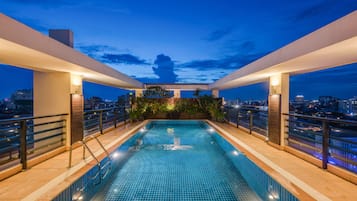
45 180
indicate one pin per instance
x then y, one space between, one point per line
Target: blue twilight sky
184 41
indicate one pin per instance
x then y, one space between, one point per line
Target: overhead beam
24 47
182 86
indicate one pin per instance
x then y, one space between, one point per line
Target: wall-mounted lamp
275 84
76 84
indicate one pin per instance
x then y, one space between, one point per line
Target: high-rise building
353 106
299 99
328 103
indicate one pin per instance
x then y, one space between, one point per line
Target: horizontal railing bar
322 118
30 118
49 137
305 145
47 145
302 122
346 160
306 139
50 122
342 149
101 110
10 137
343 140
46 130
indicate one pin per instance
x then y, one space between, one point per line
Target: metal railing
98 120
103 167
250 118
333 141
27 137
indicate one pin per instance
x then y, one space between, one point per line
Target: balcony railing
250 118
24 138
332 141
99 120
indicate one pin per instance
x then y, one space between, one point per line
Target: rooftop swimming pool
176 160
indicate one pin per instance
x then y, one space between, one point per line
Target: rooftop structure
59 71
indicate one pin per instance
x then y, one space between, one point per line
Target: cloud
95 51
109 54
324 8
122 58
229 62
164 69
218 34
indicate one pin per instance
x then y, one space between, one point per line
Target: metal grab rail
100 166
85 146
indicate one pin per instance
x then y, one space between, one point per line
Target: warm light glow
170 107
275 82
76 80
143 129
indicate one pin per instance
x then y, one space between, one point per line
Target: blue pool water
178 160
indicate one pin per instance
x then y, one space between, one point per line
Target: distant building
344 106
93 103
328 103
299 99
124 100
352 106
23 101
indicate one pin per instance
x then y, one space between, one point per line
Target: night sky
184 41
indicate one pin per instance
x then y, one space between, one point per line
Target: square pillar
215 93
138 93
278 104
53 95
177 93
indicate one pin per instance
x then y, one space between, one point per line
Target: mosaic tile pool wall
263 185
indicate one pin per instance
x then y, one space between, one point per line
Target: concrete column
278 104
285 85
52 95
177 93
215 93
138 93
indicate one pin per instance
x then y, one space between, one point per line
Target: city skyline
163 42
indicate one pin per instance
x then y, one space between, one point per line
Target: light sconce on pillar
76 84
275 86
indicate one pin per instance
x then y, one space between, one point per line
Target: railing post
23 144
115 117
325 143
124 115
101 121
238 114
250 121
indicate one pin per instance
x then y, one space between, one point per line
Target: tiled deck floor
46 179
